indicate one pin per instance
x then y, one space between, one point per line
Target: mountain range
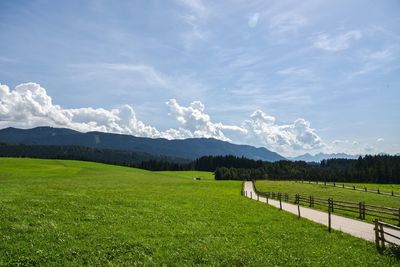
321 156
191 148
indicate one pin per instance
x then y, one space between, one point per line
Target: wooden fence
352 187
382 234
360 209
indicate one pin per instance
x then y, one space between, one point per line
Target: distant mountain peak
321 156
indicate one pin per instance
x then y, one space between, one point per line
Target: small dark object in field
197 178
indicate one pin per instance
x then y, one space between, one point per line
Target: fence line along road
352 187
360 209
353 227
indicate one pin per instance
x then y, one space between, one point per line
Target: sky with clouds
292 76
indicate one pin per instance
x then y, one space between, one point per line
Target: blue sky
293 76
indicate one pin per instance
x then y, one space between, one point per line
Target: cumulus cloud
380 139
196 123
29 105
336 43
283 137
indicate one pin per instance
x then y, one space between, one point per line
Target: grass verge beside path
77 213
325 192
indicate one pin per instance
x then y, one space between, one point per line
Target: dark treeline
164 165
211 163
223 173
369 169
108 156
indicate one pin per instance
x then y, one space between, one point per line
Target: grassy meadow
55 212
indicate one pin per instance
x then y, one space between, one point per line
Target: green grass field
76 213
386 188
337 193
383 187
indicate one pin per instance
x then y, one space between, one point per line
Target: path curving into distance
353 227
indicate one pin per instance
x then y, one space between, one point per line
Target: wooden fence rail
352 187
360 209
381 235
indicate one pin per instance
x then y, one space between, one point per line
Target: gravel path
353 227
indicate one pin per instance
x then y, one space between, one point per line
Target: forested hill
108 156
186 149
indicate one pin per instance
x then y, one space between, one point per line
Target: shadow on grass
393 251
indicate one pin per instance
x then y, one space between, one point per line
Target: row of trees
210 163
223 173
369 169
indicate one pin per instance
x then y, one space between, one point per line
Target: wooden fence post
280 201
298 209
329 214
360 209
376 228
343 185
363 210
310 201
382 234
267 197
399 218
378 191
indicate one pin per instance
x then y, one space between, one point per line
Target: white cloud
30 106
196 7
376 61
284 138
196 123
302 73
336 43
142 76
253 20
195 14
140 73
287 22
382 55
345 142
380 140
